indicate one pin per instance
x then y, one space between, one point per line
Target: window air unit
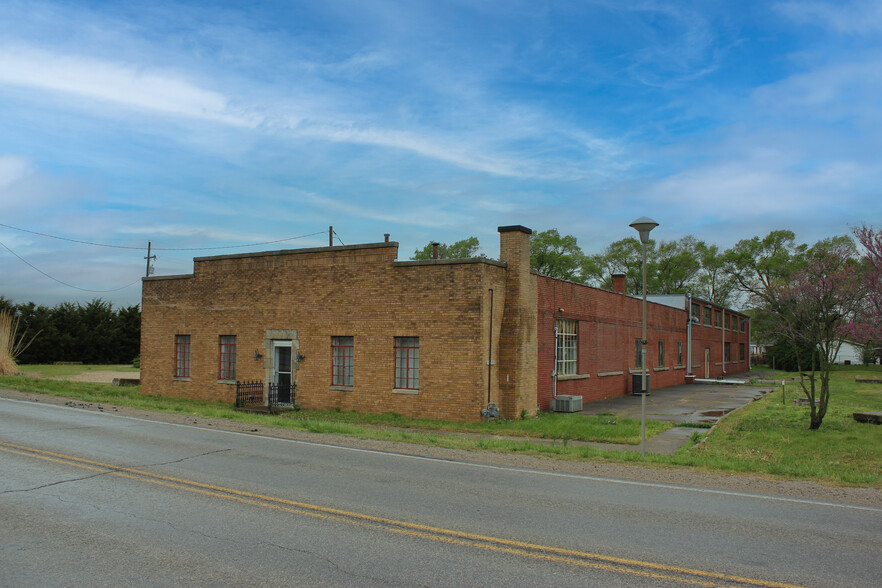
566 403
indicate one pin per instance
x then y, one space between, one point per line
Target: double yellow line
495 544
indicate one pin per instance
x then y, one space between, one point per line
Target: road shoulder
794 489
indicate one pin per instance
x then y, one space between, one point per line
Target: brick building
593 338
352 327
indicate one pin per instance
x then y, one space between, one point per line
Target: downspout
554 369
490 348
723 328
749 354
689 335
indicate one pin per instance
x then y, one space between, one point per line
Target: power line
159 248
65 283
339 239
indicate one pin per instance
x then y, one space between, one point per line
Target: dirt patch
96 376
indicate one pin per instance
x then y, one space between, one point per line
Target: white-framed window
567 347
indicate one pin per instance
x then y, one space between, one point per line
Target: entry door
707 363
282 370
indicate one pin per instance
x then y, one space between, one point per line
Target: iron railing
281 394
249 393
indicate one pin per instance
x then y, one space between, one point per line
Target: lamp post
643 225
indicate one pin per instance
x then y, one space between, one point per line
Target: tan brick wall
358 291
519 347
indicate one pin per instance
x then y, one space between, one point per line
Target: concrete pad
701 402
687 403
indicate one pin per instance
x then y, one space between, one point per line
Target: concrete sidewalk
701 402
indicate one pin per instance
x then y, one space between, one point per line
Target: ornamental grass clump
12 344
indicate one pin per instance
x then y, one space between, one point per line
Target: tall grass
12 344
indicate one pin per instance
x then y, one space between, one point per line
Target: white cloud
857 17
124 85
12 170
842 90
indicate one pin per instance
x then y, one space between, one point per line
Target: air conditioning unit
566 403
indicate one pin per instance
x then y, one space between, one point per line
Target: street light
643 225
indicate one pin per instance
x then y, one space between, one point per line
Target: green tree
816 301
459 250
760 267
556 256
713 283
624 256
675 265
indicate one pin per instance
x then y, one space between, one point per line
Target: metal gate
281 394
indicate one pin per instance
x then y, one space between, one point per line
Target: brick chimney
518 341
619 283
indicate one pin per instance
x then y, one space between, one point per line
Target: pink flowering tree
813 307
866 327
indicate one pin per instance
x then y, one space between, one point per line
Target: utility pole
148 258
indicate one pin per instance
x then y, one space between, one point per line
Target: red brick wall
608 324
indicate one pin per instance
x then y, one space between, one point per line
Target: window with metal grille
567 347
679 353
407 363
341 361
727 355
696 310
707 315
661 354
182 356
227 368
718 319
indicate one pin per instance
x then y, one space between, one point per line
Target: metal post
643 362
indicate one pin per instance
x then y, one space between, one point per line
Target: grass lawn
768 437
66 370
772 436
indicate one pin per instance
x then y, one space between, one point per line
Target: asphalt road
94 499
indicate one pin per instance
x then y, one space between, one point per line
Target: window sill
679 367
181 378
404 391
634 371
341 388
227 382
660 369
604 374
573 377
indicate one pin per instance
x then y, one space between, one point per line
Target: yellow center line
496 544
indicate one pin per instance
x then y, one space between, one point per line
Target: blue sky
197 125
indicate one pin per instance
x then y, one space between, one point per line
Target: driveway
705 401
702 402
